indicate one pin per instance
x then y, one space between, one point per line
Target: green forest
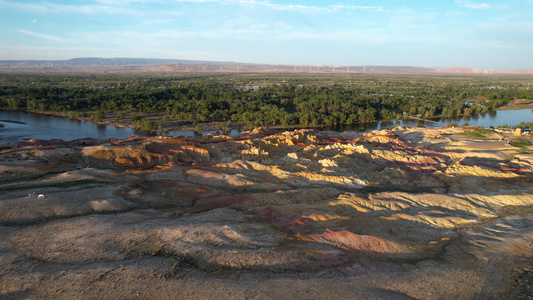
260 99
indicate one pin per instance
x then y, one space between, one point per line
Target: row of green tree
259 101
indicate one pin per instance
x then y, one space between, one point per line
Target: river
495 118
19 126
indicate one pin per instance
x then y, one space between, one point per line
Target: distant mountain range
95 62
152 65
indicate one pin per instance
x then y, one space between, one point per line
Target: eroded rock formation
305 204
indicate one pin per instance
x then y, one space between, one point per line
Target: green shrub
198 128
145 124
479 132
520 143
524 125
136 118
98 115
74 114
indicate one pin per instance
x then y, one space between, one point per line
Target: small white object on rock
40 196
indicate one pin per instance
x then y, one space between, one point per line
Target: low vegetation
145 125
524 125
521 143
478 132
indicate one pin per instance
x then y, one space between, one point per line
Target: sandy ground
418 213
516 106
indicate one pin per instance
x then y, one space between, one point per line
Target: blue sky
484 34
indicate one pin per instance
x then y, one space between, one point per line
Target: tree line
256 100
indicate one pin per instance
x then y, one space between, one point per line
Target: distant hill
92 61
460 70
169 66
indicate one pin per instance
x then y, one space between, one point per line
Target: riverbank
515 107
117 128
167 126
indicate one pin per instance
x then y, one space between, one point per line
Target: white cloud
121 2
307 8
468 4
266 4
336 7
56 8
477 5
161 9
45 36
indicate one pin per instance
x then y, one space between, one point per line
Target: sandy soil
414 213
516 106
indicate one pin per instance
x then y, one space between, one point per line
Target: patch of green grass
520 143
480 133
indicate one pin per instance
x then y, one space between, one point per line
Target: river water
19 126
495 118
